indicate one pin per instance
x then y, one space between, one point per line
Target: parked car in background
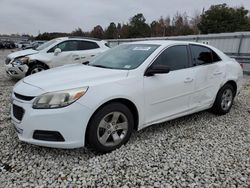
34 45
23 44
9 44
54 53
1 45
128 87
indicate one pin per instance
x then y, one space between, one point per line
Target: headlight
58 99
21 61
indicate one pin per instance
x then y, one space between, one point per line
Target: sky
34 16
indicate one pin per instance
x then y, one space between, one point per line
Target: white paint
158 98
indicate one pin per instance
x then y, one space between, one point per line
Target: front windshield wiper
101 66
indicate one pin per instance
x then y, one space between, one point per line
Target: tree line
217 19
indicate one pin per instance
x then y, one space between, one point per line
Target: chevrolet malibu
98 104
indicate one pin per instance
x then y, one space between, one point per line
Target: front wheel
224 100
35 69
110 127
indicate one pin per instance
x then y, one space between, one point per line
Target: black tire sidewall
217 109
91 134
33 67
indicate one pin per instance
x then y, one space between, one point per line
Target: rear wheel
224 100
110 127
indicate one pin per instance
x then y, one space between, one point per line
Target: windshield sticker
127 66
140 48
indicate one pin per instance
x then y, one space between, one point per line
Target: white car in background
54 53
128 87
34 45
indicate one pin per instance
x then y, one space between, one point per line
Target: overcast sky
32 16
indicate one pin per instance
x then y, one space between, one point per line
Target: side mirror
157 69
57 51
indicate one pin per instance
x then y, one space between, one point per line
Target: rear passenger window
86 45
175 58
203 55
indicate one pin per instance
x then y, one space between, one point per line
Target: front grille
22 97
7 61
52 136
18 112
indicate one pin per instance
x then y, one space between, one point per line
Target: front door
69 54
168 94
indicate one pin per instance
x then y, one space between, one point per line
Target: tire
109 128
36 68
224 100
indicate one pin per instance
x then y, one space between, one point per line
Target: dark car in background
9 45
1 45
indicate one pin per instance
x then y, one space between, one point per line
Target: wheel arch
233 84
216 107
124 101
37 62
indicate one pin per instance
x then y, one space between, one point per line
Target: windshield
46 44
125 56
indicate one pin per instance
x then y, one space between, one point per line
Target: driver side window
66 46
175 57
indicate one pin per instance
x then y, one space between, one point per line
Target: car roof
166 42
88 38
79 38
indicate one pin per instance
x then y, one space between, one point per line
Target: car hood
22 53
74 76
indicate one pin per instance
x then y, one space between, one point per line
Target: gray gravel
200 150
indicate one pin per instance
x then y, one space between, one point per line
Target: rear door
88 50
208 68
168 94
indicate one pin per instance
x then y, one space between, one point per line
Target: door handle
188 80
217 73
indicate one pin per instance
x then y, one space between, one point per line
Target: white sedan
127 88
54 53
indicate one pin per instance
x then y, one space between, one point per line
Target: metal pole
240 44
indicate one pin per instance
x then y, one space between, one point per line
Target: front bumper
70 122
16 71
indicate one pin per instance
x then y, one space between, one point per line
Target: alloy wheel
227 99
112 129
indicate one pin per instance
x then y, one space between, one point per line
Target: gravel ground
200 150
